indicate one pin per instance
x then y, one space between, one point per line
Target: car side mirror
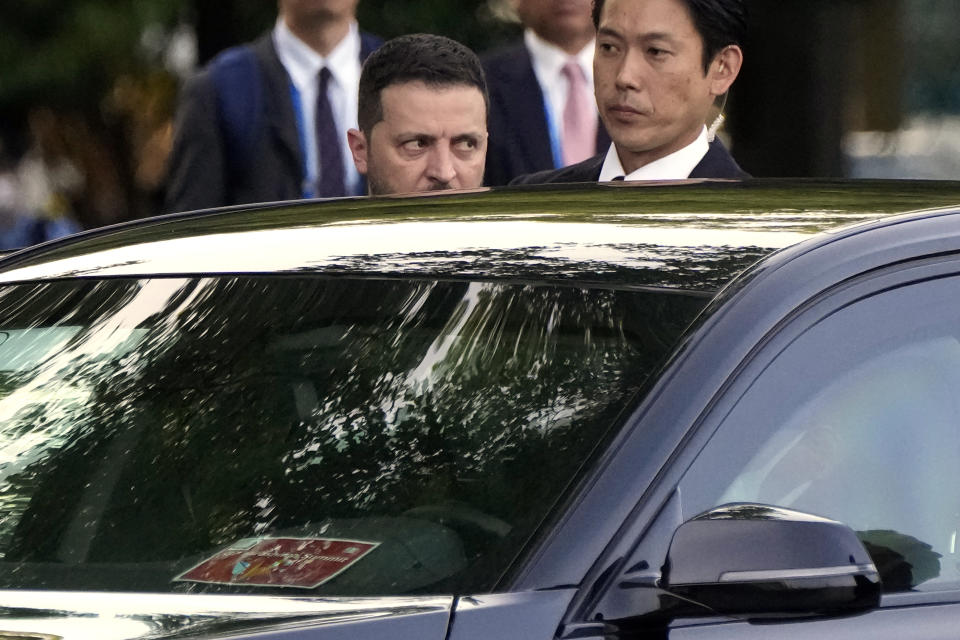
751 559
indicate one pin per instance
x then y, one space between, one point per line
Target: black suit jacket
717 163
519 134
201 176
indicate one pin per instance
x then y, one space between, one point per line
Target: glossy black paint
602 536
702 384
106 617
696 235
635 480
748 559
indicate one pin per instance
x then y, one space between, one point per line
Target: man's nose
440 167
631 71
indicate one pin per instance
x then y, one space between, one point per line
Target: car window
858 419
314 435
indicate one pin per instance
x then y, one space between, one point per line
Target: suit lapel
586 171
527 111
278 103
603 138
593 166
718 163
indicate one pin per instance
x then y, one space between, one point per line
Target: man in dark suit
536 88
659 67
267 121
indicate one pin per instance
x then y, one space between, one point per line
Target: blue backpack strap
239 91
368 44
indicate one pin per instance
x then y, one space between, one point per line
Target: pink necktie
579 117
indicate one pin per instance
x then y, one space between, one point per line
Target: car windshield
304 435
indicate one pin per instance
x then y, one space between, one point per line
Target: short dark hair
720 23
435 60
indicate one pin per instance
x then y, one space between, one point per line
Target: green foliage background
97 71
69 52
93 80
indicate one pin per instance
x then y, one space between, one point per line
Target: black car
700 410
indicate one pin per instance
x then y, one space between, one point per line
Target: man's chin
647 143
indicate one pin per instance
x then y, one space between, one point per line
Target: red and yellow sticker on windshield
302 563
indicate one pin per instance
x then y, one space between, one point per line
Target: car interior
438 421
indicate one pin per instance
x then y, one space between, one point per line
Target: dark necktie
329 153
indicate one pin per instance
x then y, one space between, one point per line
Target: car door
853 412
128 616
849 410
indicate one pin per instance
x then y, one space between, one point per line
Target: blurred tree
223 23
87 77
813 69
932 56
477 23
787 106
473 22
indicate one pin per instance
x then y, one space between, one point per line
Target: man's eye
466 144
606 47
657 52
416 144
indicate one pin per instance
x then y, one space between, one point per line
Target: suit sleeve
540 177
586 171
530 178
496 173
196 177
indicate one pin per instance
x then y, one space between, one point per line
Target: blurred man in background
422 117
543 113
267 121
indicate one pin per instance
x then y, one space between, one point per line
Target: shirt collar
303 63
676 166
548 59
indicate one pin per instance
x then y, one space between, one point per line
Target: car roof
693 235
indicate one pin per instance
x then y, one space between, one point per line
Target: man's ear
725 68
358 149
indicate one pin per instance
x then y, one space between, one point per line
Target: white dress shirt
304 64
676 166
548 60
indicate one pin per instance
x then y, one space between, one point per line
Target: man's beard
376 186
